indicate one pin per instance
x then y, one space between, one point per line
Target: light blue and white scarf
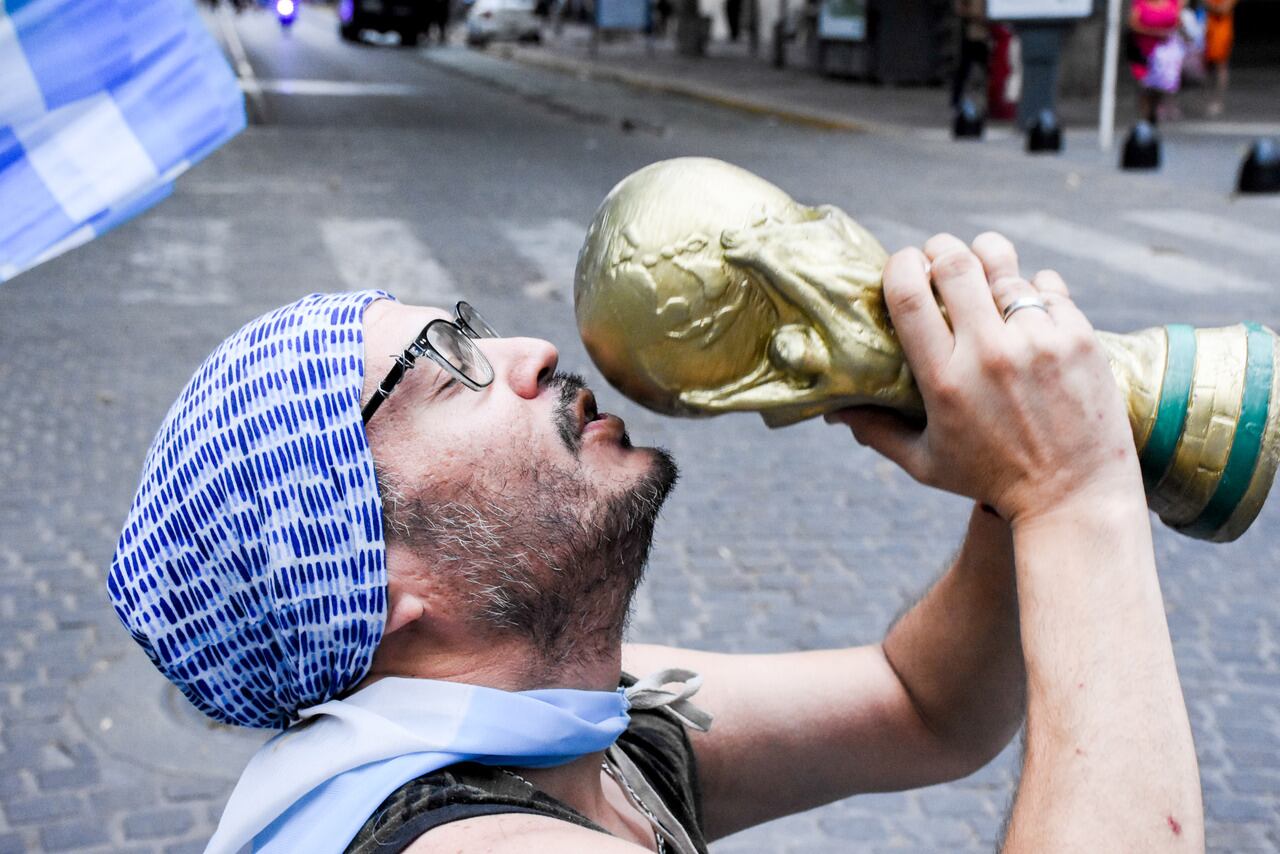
313 787
103 103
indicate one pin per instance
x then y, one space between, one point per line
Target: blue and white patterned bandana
251 568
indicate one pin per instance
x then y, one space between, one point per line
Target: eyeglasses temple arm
403 362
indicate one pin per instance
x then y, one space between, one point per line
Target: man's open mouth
587 410
579 419
594 423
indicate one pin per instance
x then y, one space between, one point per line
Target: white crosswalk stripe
180 262
551 248
384 253
1176 272
335 88
1207 228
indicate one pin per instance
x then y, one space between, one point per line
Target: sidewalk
730 77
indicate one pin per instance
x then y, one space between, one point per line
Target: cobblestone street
774 540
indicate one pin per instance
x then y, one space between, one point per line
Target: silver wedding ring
1019 304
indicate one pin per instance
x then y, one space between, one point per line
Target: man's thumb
888 433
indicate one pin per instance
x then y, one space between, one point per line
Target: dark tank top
655 741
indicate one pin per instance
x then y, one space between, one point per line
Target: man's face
537 502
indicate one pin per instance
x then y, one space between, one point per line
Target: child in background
1153 26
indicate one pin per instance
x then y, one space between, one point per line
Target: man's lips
606 425
586 410
592 420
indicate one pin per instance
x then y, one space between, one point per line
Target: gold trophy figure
703 289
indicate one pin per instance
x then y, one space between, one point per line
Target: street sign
1031 10
843 20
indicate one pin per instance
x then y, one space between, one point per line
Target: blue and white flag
103 103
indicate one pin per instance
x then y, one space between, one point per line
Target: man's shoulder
518 834
456 794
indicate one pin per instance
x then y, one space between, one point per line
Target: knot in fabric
651 693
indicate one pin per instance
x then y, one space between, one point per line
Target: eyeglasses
448 344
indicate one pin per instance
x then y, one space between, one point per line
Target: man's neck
511 665
581 784
505 664
444 644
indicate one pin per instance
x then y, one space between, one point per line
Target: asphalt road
438 172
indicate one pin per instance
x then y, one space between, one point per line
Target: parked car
503 20
409 18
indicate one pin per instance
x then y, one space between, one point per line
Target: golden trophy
703 289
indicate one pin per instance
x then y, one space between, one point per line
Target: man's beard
539 555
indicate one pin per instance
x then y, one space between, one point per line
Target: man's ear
404 608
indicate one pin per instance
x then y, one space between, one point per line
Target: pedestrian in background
662 11
1179 61
1218 38
1192 24
1155 53
975 47
733 18
438 20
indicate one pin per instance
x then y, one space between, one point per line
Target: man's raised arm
935 701
1024 415
1025 418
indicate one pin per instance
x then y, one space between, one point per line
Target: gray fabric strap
673 832
650 693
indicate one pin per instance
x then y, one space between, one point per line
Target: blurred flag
102 104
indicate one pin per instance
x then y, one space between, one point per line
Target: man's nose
523 363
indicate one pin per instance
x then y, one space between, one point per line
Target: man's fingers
925 336
888 433
1049 282
1053 290
962 284
999 258
1012 291
1000 261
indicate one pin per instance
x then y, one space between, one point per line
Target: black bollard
1044 135
968 121
1141 148
1260 171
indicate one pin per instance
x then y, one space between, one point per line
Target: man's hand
1023 415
